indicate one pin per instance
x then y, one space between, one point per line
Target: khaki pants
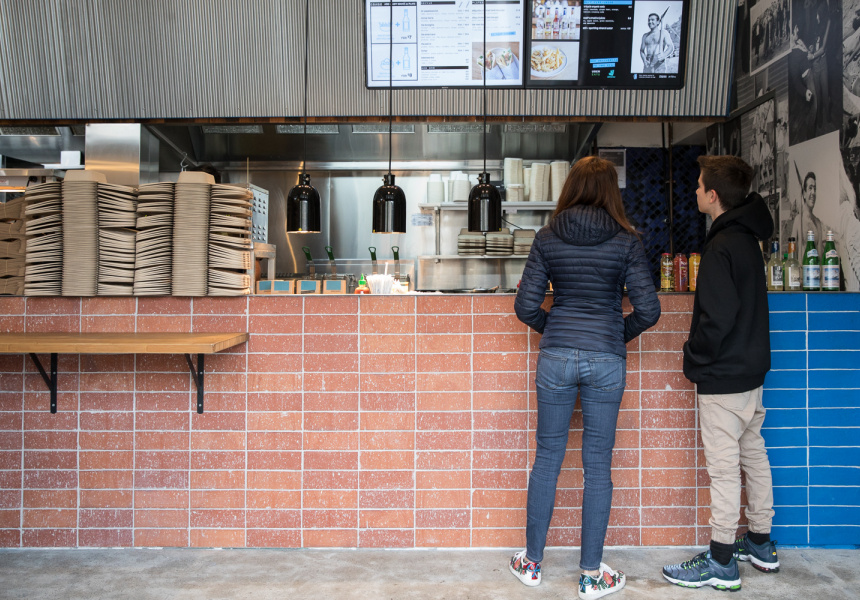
731 435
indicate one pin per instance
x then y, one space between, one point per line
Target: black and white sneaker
762 556
702 570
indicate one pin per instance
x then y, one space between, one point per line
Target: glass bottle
774 269
556 24
830 266
811 265
407 62
406 25
565 25
791 272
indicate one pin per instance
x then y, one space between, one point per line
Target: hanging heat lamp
485 201
389 201
303 201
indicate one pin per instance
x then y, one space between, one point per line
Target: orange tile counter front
344 421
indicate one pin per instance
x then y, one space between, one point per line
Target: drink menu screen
439 43
607 43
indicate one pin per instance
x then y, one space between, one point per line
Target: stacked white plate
190 239
470 243
80 238
117 206
153 260
500 243
230 241
523 239
43 272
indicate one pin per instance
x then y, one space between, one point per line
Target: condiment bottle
680 272
362 286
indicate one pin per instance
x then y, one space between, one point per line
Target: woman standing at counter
589 251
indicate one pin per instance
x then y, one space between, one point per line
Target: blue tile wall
833 536
812 428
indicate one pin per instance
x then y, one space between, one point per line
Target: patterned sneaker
762 556
703 570
607 582
525 571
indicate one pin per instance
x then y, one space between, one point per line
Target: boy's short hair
727 175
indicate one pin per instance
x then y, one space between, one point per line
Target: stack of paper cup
527 183
455 175
514 192
462 187
435 189
513 171
539 182
558 175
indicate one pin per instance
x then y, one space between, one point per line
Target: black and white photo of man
656 36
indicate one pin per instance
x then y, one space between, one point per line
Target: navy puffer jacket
588 257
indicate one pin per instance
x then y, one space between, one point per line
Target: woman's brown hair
593 181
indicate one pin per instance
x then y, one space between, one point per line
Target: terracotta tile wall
343 422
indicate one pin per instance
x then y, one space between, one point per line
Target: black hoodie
728 350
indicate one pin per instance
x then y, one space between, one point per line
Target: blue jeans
599 379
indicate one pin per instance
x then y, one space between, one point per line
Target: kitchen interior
346 162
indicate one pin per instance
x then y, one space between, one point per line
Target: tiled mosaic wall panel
390 422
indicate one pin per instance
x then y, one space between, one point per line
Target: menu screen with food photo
440 43
599 44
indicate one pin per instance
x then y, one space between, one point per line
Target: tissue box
276 286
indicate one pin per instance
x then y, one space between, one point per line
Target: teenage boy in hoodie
727 356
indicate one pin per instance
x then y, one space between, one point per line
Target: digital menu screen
626 44
607 43
439 43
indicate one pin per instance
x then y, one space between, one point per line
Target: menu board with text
626 44
439 43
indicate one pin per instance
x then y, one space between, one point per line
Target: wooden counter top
120 343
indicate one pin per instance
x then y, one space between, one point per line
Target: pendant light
485 201
303 201
389 201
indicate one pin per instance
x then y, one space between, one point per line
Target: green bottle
830 266
811 265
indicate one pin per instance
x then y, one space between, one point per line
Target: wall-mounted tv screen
607 43
439 43
626 44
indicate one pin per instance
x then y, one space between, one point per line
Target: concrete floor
382 574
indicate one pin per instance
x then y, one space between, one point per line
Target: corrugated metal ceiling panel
178 59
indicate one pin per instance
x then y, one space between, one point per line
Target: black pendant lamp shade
485 206
303 207
389 207
485 201
303 201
